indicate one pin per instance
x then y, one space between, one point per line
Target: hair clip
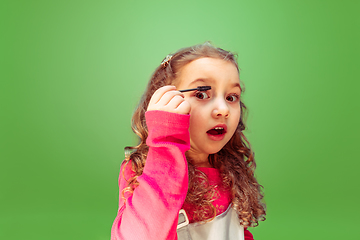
166 60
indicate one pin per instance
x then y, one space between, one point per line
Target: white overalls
226 226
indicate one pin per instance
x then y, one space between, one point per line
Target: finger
168 96
175 102
159 93
183 108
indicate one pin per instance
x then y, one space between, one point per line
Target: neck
199 159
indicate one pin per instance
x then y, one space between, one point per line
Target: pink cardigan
151 212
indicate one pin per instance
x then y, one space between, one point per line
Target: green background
73 71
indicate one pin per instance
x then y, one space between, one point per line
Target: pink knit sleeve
248 235
151 212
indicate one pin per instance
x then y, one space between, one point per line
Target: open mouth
216 131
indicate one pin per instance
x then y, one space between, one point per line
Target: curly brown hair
235 160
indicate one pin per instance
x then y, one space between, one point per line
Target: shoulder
126 169
126 173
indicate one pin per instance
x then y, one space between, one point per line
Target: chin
213 151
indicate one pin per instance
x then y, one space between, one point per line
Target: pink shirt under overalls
151 212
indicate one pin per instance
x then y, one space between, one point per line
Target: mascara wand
200 88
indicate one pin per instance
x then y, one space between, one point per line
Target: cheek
236 119
196 119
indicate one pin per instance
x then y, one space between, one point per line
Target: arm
151 212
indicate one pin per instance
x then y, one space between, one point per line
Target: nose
221 109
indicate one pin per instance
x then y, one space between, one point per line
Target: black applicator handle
200 88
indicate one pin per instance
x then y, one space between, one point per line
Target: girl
192 155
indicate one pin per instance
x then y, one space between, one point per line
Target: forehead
208 70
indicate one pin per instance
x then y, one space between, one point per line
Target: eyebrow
237 85
209 80
204 80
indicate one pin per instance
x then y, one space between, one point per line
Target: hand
168 99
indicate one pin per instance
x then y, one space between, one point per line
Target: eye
232 98
201 95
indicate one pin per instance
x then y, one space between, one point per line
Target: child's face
216 108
